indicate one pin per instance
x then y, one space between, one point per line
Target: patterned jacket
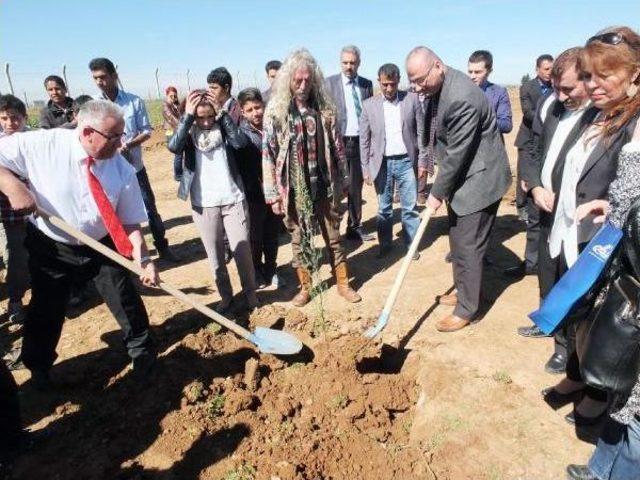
276 151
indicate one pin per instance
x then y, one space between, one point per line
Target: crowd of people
254 164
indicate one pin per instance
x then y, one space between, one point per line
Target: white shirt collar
347 81
77 150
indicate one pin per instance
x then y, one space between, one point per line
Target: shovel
383 319
266 339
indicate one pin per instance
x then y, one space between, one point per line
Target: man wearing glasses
473 174
137 130
79 176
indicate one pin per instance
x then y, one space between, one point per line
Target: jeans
401 173
155 222
617 455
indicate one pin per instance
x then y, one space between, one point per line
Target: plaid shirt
7 214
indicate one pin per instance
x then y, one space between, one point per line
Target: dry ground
468 402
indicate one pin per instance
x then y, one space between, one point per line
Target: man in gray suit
389 127
473 174
348 91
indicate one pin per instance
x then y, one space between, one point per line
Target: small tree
525 79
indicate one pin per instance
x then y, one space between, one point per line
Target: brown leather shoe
342 281
450 300
303 297
451 323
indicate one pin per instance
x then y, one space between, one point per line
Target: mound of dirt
215 409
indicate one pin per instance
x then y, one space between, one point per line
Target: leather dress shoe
557 400
532 331
450 300
556 364
579 420
580 472
359 235
451 323
384 251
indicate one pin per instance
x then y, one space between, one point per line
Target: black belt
354 138
395 157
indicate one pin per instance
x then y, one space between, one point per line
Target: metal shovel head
383 319
276 342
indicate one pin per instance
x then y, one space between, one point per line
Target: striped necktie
356 99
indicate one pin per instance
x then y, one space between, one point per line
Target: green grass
243 472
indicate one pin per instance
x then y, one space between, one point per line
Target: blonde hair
278 106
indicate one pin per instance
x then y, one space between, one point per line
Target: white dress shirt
353 129
568 120
54 163
212 184
564 233
394 143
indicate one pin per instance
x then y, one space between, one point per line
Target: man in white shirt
389 150
349 91
137 130
62 168
566 118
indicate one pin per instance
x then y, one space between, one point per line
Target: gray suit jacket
372 131
336 90
473 167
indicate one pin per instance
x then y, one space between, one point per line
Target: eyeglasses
110 138
609 38
419 81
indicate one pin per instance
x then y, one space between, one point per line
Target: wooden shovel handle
138 270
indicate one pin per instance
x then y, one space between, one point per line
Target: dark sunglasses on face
610 38
109 138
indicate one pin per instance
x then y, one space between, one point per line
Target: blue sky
38 36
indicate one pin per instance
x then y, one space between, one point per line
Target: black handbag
611 351
610 354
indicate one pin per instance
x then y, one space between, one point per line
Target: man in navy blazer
389 149
349 91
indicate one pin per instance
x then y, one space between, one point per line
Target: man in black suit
530 94
473 174
565 120
348 91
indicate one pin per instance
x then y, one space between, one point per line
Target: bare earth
419 404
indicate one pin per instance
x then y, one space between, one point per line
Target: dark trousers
549 272
264 227
468 241
155 222
533 232
54 266
521 195
10 421
354 197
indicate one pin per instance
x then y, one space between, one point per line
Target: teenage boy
13 118
264 224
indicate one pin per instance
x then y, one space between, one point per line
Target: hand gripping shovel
266 339
383 319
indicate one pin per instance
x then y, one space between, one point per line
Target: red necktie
109 217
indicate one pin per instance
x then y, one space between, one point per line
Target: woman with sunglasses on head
211 180
610 67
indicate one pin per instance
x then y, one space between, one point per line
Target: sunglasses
110 138
610 38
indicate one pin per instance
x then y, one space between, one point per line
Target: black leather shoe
384 251
556 364
557 400
580 472
532 332
579 420
359 235
518 270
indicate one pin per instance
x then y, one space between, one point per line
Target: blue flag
577 280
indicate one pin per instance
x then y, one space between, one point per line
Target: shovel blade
373 331
276 342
